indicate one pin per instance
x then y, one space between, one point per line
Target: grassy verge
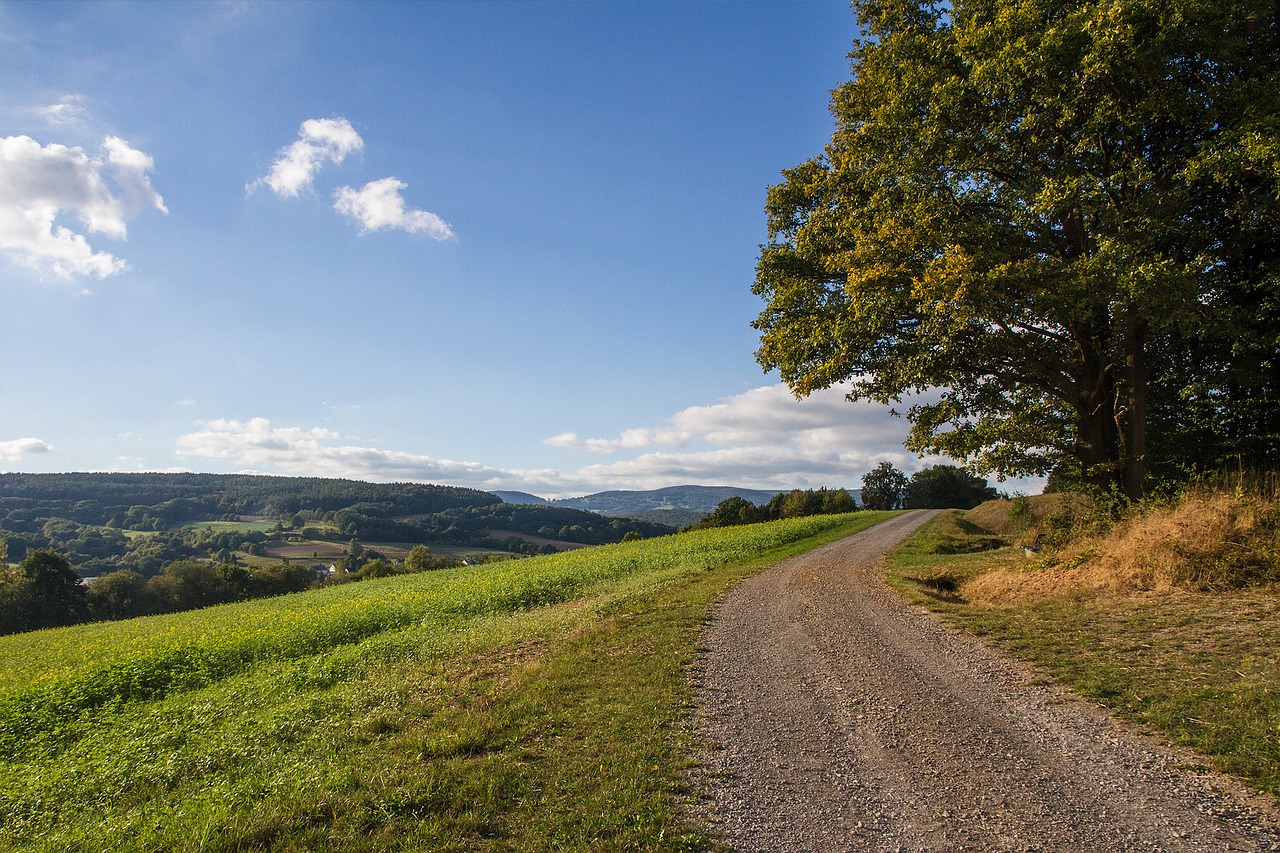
1200 667
471 710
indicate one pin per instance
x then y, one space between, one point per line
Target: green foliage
946 487
56 594
884 487
421 559
1063 215
119 595
798 503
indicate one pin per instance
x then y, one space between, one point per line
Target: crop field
528 704
246 526
318 548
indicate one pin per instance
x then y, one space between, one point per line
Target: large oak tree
1063 215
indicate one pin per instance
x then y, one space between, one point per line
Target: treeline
471 525
794 504
44 591
884 487
935 487
131 500
153 502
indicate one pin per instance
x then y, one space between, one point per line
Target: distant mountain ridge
700 499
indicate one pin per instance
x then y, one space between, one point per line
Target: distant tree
15 602
379 568
420 558
187 585
883 487
4 553
946 486
355 556
631 536
835 501
796 503
733 510
278 579
235 579
119 595
58 596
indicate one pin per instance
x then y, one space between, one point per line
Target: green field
528 705
258 526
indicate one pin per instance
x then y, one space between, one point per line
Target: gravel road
834 716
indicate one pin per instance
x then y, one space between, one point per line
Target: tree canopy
1062 216
946 487
884 487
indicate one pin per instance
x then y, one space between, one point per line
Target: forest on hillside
143 522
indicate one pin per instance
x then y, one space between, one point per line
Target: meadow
529 704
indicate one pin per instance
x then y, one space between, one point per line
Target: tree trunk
1135 426
1097 437
1097 443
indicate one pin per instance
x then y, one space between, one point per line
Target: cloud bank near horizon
763 438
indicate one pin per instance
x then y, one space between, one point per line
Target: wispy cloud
68 112
763 438
631 439
15 449
256 444
39 183
378 205
319 140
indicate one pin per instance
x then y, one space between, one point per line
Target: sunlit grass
531 705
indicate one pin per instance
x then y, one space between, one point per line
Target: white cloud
12 451
763 438
378 205
68 112
256 444
631 439
769 416
38 183
319 139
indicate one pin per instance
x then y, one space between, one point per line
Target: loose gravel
835 716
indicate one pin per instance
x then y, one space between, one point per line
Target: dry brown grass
1012 517
1208 541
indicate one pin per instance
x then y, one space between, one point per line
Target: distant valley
676 506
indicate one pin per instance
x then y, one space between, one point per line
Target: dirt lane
837 717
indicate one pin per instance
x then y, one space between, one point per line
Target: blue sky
500 245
